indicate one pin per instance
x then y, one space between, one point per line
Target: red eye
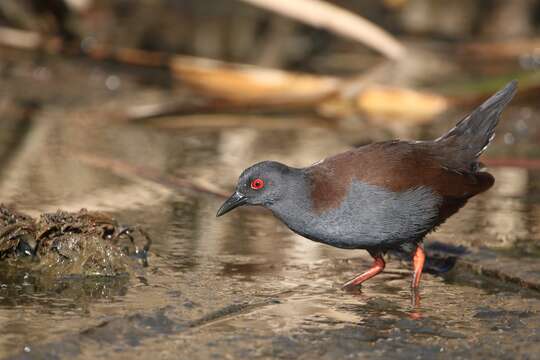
257 184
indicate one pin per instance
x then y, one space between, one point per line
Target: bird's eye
257 184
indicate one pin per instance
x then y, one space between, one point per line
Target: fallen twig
121 168
29 40
501 49
340 21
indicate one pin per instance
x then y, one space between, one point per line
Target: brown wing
396 166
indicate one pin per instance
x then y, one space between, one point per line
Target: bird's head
261 184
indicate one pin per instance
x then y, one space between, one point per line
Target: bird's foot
351 288
415 297
376 268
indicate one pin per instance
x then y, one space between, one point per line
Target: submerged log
247 84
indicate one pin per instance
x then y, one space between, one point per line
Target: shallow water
243 285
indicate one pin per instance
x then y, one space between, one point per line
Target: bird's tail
472 135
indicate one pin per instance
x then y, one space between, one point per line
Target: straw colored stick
340 21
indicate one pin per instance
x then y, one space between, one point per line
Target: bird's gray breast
369 217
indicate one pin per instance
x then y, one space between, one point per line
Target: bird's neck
294 208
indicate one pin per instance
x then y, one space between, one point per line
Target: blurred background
340 59
150 109
365 70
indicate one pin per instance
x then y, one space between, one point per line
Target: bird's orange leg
419 258
376 268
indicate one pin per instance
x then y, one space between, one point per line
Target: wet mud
70 244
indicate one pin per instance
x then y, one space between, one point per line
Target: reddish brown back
396 166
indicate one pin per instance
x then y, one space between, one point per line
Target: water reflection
64 293
199 264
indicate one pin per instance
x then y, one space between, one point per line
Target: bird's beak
234 201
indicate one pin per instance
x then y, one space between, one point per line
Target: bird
382 196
